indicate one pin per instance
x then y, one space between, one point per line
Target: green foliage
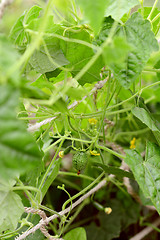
146 172
77 91
76 234
19 152
11 206
117 8
134 30
94 12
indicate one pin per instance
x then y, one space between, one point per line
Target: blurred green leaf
146 11
117 8
94 12
76 234
18 35
147 172
116 51
8 58
11 206
19 152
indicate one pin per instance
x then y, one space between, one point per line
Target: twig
97 86
47 220
3 5
146 231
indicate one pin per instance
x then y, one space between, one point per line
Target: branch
3 5
97 86
146 231
47 220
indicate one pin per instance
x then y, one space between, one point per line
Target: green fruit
80 160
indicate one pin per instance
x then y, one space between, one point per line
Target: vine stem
152 10
47 220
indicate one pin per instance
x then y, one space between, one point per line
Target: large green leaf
139 35
18 151
94 12
149 120
43 62
11 206
76 234
147 172
79 55
117 8
8 57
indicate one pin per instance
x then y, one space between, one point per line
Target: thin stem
110 151
47 220
83 191
75 175
155 18
152 10
49 167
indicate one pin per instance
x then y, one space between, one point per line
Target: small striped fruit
79 161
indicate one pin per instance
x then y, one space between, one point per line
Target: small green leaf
18 35
76 234
51 176
117 8
147 173
114 170
94 12
19 152
11 206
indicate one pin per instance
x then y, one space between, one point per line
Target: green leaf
116 51
19 152
11 206
146 11
43 62
145 117
94 12
147 173
117 8
8 58
149 120
79 55
124 212
18 35
114 170
76 234
139 35
51 176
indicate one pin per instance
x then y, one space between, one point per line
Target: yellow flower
108 210
94 152
61 154
92 121
132 143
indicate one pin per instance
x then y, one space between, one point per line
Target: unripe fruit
80 160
